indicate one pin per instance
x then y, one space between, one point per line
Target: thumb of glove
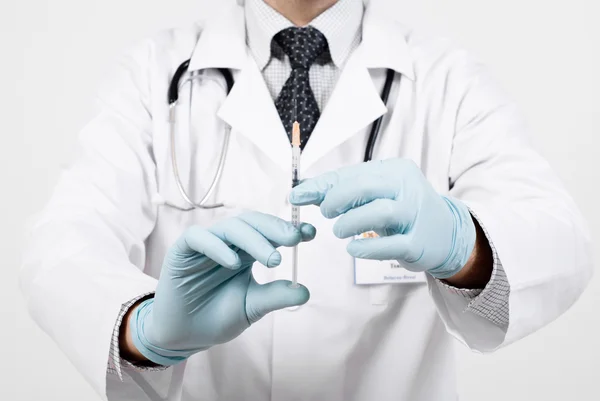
266 298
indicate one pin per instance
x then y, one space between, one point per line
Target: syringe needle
295 181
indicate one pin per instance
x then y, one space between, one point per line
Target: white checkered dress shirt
341 25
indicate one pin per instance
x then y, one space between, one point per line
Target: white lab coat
101 240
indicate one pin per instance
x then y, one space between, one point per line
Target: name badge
368 271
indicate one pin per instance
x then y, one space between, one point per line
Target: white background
545 52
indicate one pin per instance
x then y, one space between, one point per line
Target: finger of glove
312 191
379 215
266 298
307 231
244 236
355 192
395 247
278 231
197 240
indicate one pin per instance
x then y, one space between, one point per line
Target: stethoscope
173 99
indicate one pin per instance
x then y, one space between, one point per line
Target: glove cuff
464 236
138 322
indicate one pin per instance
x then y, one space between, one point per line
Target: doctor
150 302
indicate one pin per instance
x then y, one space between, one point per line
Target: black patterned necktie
297 100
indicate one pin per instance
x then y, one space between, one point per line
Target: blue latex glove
420 229
206 293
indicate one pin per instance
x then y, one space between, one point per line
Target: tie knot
302 45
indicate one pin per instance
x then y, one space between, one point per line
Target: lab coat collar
250 111
222 42
354 104
384 44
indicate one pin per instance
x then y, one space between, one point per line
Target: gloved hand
416 226
206 293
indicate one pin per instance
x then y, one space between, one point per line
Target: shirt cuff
492 302
115 362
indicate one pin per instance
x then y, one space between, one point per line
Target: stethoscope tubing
376 127
173 99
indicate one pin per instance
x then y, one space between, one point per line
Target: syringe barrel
295 166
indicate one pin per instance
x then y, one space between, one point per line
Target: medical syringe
295 181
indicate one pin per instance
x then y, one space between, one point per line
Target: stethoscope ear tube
228 78
385 94
173 93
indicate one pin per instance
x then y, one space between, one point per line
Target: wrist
464 237
477 272
140 324
127 349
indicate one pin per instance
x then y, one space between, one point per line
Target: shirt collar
341 25
384 43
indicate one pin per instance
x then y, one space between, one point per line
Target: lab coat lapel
353 105
355 102
250 110
222 42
